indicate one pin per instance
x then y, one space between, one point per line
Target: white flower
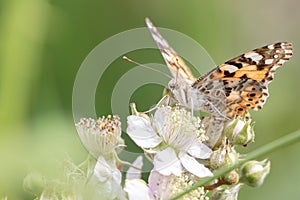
107 179
141 132
135 187
159 187
165 187
105 171
101 136
179 133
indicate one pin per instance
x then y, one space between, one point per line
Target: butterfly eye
172 85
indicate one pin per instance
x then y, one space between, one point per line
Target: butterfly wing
246 77
237 85
175 64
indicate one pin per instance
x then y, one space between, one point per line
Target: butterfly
232 88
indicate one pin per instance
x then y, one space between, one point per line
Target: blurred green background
43 43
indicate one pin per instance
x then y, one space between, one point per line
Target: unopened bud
226 194
230 178
224 156
34 183
239 131
253 173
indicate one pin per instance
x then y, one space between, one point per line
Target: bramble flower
175 136
106 171
136 187
163 187
101 136
107 177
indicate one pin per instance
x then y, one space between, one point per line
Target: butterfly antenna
158 104
147 67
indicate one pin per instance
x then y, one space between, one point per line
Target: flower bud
224 156
239 131
101 136
230 178
253 173
226 194
34 183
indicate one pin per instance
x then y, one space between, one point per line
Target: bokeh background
43 43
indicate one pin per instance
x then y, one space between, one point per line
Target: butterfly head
173 85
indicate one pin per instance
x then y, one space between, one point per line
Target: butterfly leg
217 111
192 107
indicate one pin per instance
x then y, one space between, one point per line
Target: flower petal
133 173
159 185
200 150
141 132
137 189
167 163
160 119
107 172
193 166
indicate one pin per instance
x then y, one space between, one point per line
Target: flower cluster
182 148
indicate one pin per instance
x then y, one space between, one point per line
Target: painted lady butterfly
230 89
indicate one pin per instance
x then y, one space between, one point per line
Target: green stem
268 148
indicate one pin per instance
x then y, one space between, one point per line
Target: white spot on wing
280 62
254 56
288 51
230 68
275 67
268 61
271 46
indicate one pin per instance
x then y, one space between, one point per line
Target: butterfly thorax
196 99
184 94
